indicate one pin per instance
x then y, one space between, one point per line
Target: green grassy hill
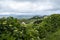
54 36
37 28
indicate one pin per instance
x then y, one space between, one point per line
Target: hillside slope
54 36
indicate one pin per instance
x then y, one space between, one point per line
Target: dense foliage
29 29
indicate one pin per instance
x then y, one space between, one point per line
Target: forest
35 28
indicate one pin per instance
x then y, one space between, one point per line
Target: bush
13 28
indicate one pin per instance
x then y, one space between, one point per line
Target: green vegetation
36 28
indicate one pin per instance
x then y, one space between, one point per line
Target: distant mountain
20 16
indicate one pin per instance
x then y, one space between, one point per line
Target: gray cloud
25 0
55 3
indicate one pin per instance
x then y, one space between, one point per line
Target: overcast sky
29 7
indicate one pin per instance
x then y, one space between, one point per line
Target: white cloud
4 13
42 6
13 7
26 6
